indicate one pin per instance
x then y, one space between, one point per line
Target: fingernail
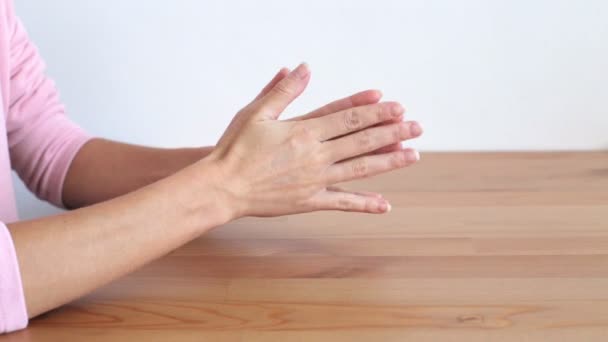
412 156
301 71
415 129
397 110
388 207
379 93
383 206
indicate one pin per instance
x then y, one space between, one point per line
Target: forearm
260 167
68 255
105 169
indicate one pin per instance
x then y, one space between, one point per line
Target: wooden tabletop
478 247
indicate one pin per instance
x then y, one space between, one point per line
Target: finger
370 139
360 193
389 148
353 119
392 147
284 92
367 166
278 77
396 119
359 99
345 201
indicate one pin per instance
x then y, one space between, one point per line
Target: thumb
274 102
338 199
276 79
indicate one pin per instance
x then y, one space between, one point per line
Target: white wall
479 75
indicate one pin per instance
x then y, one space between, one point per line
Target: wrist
199 196
212 190
231 186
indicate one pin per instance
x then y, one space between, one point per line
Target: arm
104 169
43 142
260 167
68 255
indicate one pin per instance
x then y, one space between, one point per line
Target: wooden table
479 247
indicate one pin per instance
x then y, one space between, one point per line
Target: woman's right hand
270 167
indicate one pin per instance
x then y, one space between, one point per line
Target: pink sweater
36 139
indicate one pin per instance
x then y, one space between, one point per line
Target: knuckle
301 133
344 203
397 132
283 88
394 109
370 205
364 139
352 119
293 141
359 167
302 138
297 140
293 144
397 160
382 112
319 158
304 131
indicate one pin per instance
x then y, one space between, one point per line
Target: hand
270 167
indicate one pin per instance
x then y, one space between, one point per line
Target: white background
478 75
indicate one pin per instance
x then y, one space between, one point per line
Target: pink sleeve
13 314
42 140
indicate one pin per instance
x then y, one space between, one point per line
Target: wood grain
479 247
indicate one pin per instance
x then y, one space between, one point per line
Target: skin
138 203
105 169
